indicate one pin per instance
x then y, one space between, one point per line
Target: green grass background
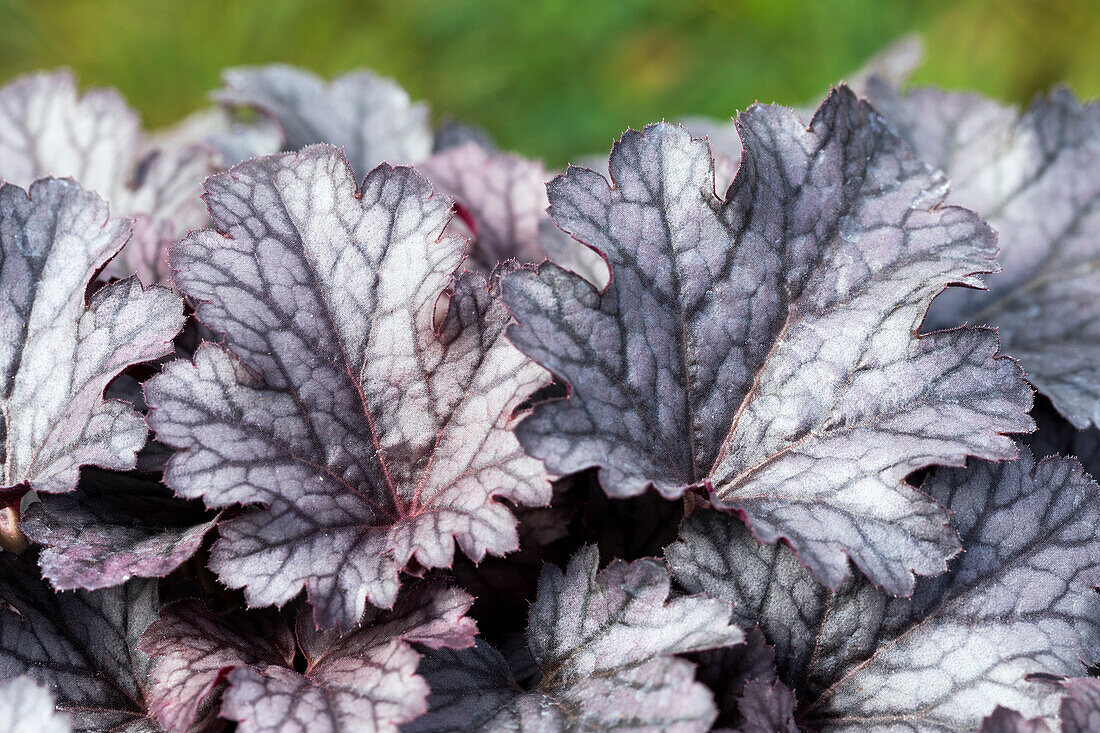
557 78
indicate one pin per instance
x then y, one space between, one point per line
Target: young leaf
767 708
365 680
26 707
605 644
367 437
79 644
370 117
47 129
506 196
1035 178
764 346
1081 707
1016 607
57 352
114 527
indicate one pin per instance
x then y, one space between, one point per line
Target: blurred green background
557 78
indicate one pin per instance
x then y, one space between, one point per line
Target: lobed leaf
1035 177
365 437
1014 611
48 129
370 117
604 642
58 352
365 680
763 347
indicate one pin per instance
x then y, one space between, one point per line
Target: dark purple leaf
1035 178
57 352
506 196
726 672
81 645
367 436
1081 707
764 348
1016 609
370 117
1003 720
48 129
604 643
114 527
365 680
767 708
26 707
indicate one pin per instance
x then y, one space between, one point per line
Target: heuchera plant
316 418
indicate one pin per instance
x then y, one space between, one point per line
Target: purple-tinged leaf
48 129
764 347
364 680
1080 709
370 117
767 708
506 197
27 707
366 436
1003 720
605 644
1035 178
57 352
726 672
81 645
1014 611
114 527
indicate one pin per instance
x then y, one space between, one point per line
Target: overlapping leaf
114 527
48 129
59 352
505 195
81 645
367 436
1035 178
27 707
370 117
1016 609
763 347
604 643
365 680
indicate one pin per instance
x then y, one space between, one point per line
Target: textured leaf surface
763 346
82 645
370 117
1035 178
48 129
366 436
1019 601
506 197
728 670
767 708
604 642
26 707
365 680
58 352
112 528
1081 707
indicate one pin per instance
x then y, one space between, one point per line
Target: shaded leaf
728 670
1035 177
57 352
1081 707
1014 611
80 644
365 680
48 129
112 528
604 642
26 707
367 437
763 347
767 708
1003 720
370 117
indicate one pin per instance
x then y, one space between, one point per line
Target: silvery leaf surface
1035 177
605 643
27 707
363 435
1014 612
763 346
